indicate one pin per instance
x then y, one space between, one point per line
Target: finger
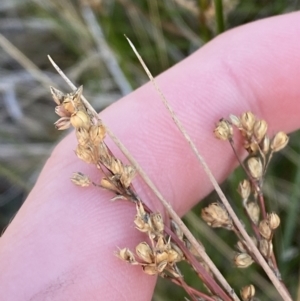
61 243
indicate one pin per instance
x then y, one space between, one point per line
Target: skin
61 244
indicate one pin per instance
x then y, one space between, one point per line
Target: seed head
150 269
144 252
255 167
247 121
248 292
279 141
243 260
161 256
223 130
80 119
265 248
97 133
274 220
80 179
82 136
216 216
265 230
253 212
260 129
244 189
175 254
69 106
108 184
127 175
87 154
157 222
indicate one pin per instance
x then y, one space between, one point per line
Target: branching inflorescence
165 244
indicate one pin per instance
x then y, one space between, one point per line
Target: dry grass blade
276 282
24 61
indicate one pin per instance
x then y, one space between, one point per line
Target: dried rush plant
168 242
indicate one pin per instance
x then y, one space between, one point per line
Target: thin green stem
219 16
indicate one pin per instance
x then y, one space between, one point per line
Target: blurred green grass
165 32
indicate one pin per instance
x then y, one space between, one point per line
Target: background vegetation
85 38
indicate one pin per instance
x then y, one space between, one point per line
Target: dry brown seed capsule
82 136
244 189
253 212
255 167
108 184
57 95
161 256
248 292
161 266
86 154
150 269
69 106
126 255
80 119
144 252
247 120
216 216
175 254
141 225
274 220
279 141
265 230
80 179
223 130
265 248
127 175
243 260
157 222
260 129
62 123
97 133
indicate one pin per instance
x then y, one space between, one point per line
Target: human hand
61 244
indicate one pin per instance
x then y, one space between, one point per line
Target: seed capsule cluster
161 255
91 148
260 148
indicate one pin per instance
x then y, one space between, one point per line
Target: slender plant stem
219 16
